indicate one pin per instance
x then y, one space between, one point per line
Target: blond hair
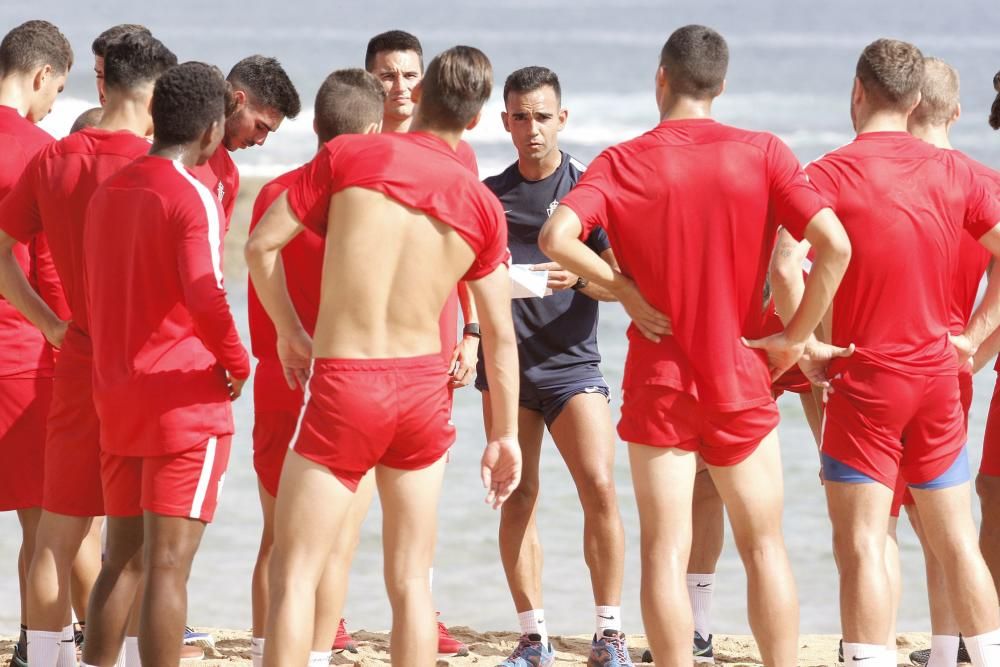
938 93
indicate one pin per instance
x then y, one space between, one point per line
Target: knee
400 585
521 503
598 495
856 549
761 549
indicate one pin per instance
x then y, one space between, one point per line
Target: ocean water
791 70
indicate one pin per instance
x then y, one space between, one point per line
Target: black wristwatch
580 283
471 329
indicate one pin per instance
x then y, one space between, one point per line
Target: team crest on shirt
220 191
552 207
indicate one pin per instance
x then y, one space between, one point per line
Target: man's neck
537 170
14 93
125 114
936 135
450 137
883 121
685 108
186 154
397 124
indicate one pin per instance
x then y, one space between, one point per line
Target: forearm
468 304
501 360
14 287
598 293
833 253
267 272
985 320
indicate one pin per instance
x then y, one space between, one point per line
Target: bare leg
664 483
988 487
28 518
755 517
892 567
942 619
57 542
86 567
520 548
409 527
258 587
951 535
708 525
586 439
170 545
114 591
311 508
860 517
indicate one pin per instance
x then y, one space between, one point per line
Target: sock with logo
120 662
43 647
132 652
67 648
873 655
607 618
701 588
533 623
257 651
319 658
944 651
984 649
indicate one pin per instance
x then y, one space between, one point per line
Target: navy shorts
551 400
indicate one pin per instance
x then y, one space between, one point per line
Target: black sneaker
647 656
701 650
840 651
19 657
922 657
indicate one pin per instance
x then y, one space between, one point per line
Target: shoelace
522 646
620 652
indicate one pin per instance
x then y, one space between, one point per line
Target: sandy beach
232 647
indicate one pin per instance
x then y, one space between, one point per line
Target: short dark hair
456 85
528 79
892 72
187 99
34 44
268 84
135 59
348 101
393 40
695 59
100 45
88 118
995 111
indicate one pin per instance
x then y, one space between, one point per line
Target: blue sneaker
195 638
530 652
702 649
609 650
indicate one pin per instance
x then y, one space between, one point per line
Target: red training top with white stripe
23 349
692 208
162 330
220 175
905 205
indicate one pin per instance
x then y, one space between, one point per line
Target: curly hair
267 83
187 99
134 59
995 111
99 47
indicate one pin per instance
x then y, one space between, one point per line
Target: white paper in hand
528 284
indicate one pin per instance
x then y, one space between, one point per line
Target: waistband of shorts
427 362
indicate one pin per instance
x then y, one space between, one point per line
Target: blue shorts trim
958 473
835 471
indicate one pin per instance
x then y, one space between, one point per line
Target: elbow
548 241
839 249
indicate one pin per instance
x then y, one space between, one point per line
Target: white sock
67 648
700 589
876 655
257 651
984 649
43 648
533 623
120 662
607 618
944 651
132 652
319 658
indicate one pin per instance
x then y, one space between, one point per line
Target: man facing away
562 388
379 393
692 208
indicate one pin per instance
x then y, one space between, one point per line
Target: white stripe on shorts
203 480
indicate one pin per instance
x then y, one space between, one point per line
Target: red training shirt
904 204
222 179
973 258
162 330
692 208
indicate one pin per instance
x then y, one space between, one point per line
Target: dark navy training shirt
557 334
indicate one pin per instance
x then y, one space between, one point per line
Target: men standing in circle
692 208
562 388
379 393
895 408
35 58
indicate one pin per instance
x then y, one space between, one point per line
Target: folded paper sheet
527 284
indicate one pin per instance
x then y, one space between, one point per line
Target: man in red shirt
262 97
691 209
100 47
35 58
379 397
348 102
51 198
895 409
163 378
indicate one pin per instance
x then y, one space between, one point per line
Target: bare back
387 272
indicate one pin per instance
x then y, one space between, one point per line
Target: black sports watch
471 329
580 283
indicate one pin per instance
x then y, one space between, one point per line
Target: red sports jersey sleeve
982 212
795 200
589 199
19 211
222 178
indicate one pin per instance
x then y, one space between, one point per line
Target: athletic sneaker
530 652
647 656
192 652
78 635
609 650
343 641
448 645
702 650
19 657
192 636
840 651
922 657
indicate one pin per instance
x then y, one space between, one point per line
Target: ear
315 126
208 137
563 117
722 88
239 99
913 106
373 128
857 92
41 74
417 92
958 114
505 119
475 120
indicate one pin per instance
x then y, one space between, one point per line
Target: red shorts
73 448
187 484
664 417
364 412
990 465
24 406
273 431
902 495
792 380
886 424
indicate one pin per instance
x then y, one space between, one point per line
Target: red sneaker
448 645
343 641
